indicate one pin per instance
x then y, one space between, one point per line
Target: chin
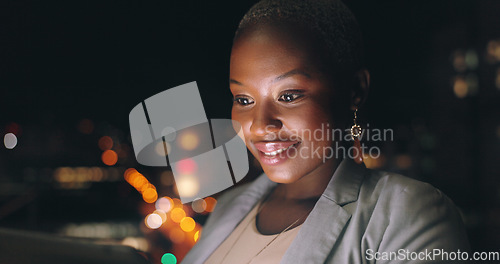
283 173
281 177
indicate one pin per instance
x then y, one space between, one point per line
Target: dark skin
281 91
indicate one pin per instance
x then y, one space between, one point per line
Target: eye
243 100
289 97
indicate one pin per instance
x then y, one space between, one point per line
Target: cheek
311 126
309 118
244 122
237 117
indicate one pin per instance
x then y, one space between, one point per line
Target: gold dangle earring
356 135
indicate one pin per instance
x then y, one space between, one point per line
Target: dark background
435 70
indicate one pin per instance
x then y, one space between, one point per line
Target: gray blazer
363 216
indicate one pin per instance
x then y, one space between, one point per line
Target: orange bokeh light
105 143
145 186
211 202
109 157
187 224
177 214
130 174
164 203
189 141
196 235
138 180
150 195
142 185
177 203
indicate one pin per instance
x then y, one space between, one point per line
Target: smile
276 152
269 152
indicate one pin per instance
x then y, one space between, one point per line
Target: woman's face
282 101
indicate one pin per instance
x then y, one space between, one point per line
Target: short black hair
331 20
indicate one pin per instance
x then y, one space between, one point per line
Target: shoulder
402 197
411 212
399 189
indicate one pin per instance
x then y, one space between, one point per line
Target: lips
274 148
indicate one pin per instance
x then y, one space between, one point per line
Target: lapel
319 233
234 213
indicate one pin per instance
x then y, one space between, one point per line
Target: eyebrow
292 73
234 82
282 76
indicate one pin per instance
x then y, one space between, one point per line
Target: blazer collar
319 232
233 213
344 186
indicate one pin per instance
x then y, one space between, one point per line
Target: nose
265 121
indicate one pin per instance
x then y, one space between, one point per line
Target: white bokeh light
153 221
10 140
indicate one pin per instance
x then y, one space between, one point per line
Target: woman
296 68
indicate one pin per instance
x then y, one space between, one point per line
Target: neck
310 186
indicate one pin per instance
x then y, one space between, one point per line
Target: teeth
276 152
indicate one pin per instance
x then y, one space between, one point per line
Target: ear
360 89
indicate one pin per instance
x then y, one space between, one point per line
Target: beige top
245 242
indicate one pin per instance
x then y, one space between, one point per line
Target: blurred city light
165 204
187 224
82 177
187 166
472 83
177 203
162 214
141 184
153 221
138 243
471 59
188 141
128 173
187 185
149 195
199 205
168 258
493 51
177 214
196 235
10 140
105 143
100 230
139 181
374 162
458 61
161 148
460 87
211 202
404 161
109 157
13 128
